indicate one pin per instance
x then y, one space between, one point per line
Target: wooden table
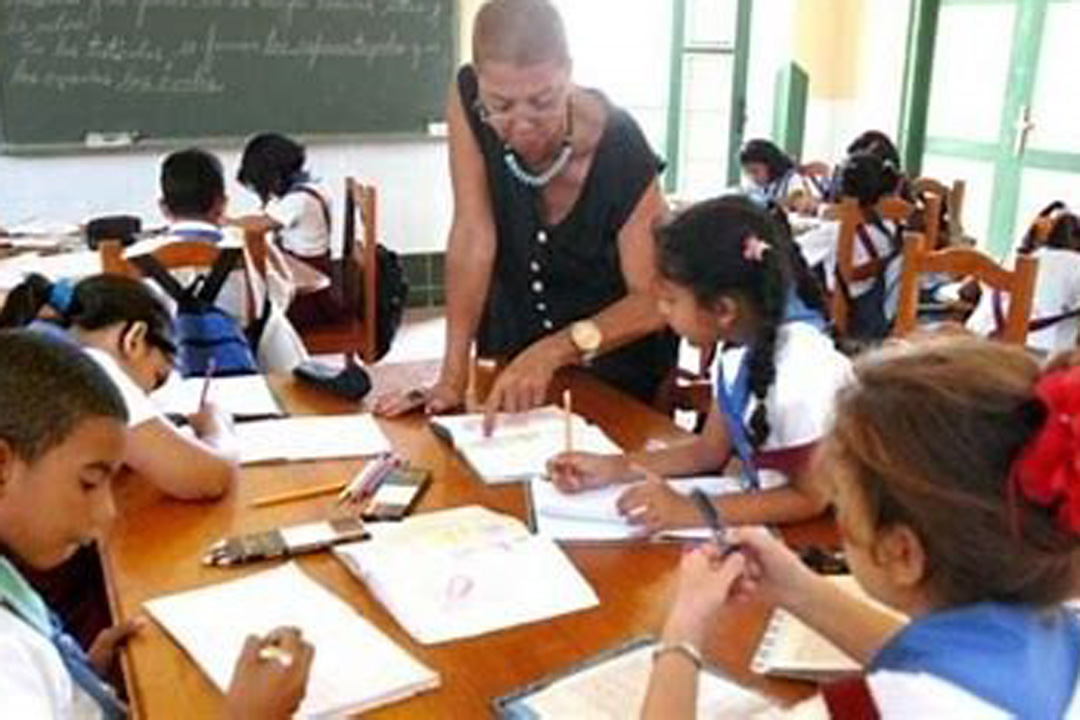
155 545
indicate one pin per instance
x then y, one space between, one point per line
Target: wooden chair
919 258
818 172
689 390
851 216
356 334
177 255
952 199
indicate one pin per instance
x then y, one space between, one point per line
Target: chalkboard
159 69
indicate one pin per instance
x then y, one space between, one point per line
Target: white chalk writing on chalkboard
63 45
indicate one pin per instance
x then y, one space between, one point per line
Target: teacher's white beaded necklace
539 180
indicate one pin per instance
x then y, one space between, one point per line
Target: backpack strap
850 699
1034 325
150 266
228 260
325 206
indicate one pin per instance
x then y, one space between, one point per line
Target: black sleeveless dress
548 276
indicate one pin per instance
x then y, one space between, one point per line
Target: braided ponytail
728 247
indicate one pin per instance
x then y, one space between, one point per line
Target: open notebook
789 648
612 686
244 396
356 667
464 572
310 437
593 515
522 443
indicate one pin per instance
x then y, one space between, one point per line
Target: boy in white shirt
62 439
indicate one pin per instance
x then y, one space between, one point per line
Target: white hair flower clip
754 249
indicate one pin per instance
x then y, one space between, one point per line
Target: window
635 53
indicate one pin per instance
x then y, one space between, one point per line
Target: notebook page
789 646
522 443
615 689
244 395
594 514
315 437
466 572
355 666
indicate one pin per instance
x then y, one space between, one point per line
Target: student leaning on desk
62 439
730 275
125 327
952 468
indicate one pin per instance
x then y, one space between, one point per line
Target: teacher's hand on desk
271 677
523 384
442 397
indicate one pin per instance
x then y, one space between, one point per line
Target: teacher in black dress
550 257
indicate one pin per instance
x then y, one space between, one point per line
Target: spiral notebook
789 648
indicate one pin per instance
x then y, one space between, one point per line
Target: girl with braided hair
725 270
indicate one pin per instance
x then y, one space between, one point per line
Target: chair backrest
851 216
186 254
953 199
919 258
360 247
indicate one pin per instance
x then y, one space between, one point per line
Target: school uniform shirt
801 400
303 218
33 680
780 189
819 249
984 660
1057 291
140 407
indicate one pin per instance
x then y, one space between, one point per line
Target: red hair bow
1047 472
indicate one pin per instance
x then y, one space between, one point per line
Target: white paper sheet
245 395
464 572
523 443
355 668
315 437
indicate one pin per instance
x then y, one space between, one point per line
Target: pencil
568 416
294 495
210 368
712 520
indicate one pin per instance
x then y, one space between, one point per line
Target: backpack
206 335
391 286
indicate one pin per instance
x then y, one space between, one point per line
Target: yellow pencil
294 495
568 415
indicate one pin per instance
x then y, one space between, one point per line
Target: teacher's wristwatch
587 338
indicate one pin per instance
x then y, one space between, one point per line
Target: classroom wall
412 176
854 53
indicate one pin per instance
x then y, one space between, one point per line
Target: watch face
586 335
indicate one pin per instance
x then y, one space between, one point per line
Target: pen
568 417
210 368
712 519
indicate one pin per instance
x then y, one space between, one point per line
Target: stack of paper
613 686
789 648
356 668
245 396
464 572
593 515
314 437
522 443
